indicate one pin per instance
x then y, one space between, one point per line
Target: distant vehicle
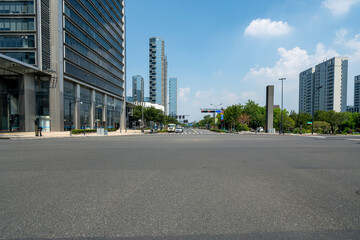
171 128
179 129
260 129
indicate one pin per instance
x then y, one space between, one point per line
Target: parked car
179 129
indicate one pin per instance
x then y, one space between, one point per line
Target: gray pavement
215 186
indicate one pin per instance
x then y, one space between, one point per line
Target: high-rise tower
138 88
158 72
173 97
327 82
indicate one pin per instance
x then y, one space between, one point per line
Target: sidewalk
66 134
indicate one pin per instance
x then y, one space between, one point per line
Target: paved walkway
66 134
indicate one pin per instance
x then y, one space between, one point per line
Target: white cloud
353 44
290 64
339 7
267 28
206 94
183 94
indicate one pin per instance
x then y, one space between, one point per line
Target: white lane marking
353 139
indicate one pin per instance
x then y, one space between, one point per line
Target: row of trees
152 115
251 116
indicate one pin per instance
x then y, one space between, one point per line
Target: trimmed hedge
81 131
218 130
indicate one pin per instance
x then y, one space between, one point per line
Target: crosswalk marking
189 133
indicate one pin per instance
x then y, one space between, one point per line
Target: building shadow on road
322 235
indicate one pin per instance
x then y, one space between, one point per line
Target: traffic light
11 118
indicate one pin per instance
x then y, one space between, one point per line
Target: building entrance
10 93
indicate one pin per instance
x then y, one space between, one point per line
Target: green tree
231 114
256 114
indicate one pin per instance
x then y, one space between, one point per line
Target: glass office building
173 97
137 88
70 63
158 72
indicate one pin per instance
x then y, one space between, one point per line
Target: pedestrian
40 131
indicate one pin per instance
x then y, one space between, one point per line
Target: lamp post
142 116
282 104
71 103
313 108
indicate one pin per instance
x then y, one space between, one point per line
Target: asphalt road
215 186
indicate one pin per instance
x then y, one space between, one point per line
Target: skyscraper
158 72
357 93
173 97
327 82
61 62
138 88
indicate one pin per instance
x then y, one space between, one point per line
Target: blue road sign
218 111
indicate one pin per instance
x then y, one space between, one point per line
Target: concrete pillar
123 116
269 128
77 107
28 109
92 109
57 65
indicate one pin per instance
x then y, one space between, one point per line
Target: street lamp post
70 104
313 108
282 104
142 116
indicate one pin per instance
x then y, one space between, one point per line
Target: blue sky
229 51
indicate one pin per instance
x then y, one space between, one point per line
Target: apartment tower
325 86
158 72
173 97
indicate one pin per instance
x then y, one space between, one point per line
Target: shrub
321 127
243 127
80 131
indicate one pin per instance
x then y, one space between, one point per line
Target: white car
179 130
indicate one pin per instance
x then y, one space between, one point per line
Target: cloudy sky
228 51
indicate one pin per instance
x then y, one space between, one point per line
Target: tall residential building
327 82
173 97
61 62
357 94
306 84
158 72
138 88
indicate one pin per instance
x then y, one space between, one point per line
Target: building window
42 98
17 7
26 57
17 24
17 41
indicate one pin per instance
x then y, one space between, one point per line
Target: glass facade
17 30
10 95
69 107
85 108
94 41
173 97
17 41
26 57
138 88
16 7
42 98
